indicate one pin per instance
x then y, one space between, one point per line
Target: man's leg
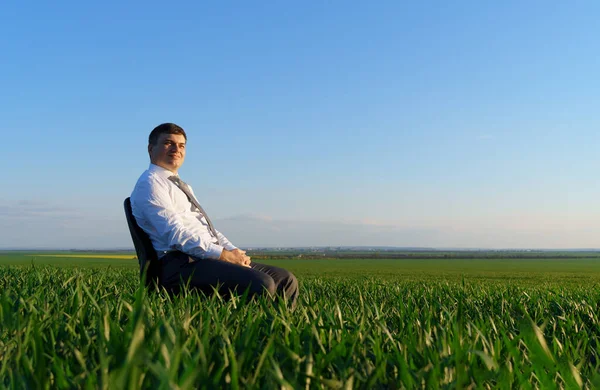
286 283
178 269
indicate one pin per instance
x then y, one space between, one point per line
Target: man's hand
246 257
236 256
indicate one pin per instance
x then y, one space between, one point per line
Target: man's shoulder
145 176
143 179
149 176
148 182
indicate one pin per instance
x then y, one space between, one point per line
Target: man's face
168 152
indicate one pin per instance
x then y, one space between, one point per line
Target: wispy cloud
505 233
485 137
31 209
39 224
248 231
45 225
249 217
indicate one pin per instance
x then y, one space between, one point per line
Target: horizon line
420 248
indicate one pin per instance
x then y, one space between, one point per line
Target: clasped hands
236 256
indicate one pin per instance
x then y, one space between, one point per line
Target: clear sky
438 124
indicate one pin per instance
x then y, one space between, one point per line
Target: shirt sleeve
225 242
156 207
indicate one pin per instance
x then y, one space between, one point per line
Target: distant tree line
424 255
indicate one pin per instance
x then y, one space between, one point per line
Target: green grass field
429 323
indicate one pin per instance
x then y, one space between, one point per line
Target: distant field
83 256
535 270
78 320
69 259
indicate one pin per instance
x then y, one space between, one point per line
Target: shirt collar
161 171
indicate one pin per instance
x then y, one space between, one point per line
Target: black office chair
143 247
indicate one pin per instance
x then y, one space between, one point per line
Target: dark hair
165 128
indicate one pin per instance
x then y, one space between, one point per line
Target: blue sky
439 124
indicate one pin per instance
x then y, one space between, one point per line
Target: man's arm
225 243
153 202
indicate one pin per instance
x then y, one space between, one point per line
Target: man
189 248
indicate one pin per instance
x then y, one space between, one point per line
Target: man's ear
150 150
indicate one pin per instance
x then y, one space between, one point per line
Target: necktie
186 190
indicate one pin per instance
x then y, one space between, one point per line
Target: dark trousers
178 268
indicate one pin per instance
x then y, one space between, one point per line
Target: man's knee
291 289
263 285
291 283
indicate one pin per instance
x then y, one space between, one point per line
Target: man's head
166 146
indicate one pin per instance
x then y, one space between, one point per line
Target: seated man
188 246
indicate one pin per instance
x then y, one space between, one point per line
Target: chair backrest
143 246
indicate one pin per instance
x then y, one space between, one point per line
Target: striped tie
186 190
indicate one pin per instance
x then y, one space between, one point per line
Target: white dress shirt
163 211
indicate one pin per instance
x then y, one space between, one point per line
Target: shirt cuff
214 251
